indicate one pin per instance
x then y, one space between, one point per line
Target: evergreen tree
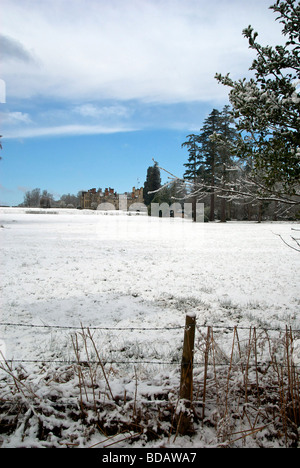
210 157
152 183
212 126
225 140
194 164
267 109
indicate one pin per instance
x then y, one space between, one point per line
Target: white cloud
96 111
15 118
155 51
63 130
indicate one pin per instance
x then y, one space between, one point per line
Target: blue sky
94 89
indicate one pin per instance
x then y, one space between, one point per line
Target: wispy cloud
85 119
55 119
65 130
96 111
15 118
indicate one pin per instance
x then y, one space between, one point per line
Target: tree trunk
223 210
212 197
259 214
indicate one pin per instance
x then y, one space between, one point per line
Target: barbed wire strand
178 327
67 327
163 363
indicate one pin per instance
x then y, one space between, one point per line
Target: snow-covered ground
73 268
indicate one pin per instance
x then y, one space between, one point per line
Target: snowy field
120 274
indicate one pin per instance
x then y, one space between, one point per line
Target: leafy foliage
267 107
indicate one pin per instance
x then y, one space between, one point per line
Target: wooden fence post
186 381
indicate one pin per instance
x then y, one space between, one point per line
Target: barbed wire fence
256 370
82 327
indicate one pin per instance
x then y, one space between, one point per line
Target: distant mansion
97 199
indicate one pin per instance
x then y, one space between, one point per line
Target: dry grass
247 397
256 389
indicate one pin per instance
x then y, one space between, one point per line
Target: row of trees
42 198
249 153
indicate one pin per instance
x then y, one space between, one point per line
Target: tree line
44 199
